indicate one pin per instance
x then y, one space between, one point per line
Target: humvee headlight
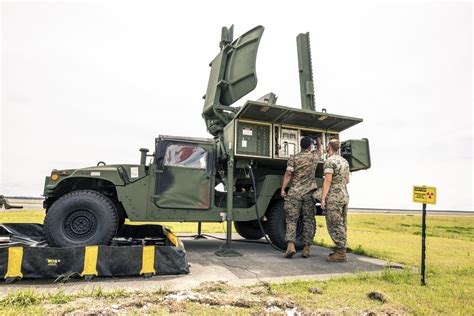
54 177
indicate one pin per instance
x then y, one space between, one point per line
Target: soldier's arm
286 181
328 172
318 144
347 172
318 152
288 174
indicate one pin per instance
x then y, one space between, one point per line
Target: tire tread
50 222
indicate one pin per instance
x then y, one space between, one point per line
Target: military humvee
234 177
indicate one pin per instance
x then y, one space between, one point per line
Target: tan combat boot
306 252
338 256
290 250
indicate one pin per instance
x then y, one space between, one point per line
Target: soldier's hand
323 205
283 193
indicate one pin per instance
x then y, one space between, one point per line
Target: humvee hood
127 173
116 174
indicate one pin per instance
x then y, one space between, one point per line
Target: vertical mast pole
305 69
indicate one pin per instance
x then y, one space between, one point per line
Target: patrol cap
305 142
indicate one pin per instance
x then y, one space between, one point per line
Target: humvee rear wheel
275 227
81 218
249 229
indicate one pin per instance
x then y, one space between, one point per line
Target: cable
258 220
256 212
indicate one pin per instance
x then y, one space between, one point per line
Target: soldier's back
339 168
304 169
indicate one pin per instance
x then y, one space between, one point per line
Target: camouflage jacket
339 168
303 166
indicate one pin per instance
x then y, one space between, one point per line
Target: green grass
23 298
24 216
395 238
58 297
99 292
450 266
30 301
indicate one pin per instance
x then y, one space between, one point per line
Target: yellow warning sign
423 194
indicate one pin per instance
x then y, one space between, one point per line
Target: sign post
423 245
425 195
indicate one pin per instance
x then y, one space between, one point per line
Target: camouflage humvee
234 176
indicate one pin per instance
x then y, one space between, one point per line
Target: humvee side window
187 156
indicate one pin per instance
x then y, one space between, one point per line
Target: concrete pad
260 262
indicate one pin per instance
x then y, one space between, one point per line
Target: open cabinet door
357 153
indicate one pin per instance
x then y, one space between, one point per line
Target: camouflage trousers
336 221
305 207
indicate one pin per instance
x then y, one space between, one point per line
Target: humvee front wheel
275 227
249 229
81 218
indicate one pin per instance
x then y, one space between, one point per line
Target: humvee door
184 176
357 153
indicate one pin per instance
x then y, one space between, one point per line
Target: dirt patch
217 286
378 296
256 300
315 290
386 312
139 302
222 294
213 298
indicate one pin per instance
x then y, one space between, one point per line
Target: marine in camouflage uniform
337 200
299 201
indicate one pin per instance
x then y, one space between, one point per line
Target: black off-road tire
249 230
275 227
81 218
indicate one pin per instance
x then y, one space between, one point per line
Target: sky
83 82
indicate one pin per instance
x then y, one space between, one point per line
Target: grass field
396 238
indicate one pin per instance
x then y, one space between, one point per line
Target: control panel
253 139
271 141
286 142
